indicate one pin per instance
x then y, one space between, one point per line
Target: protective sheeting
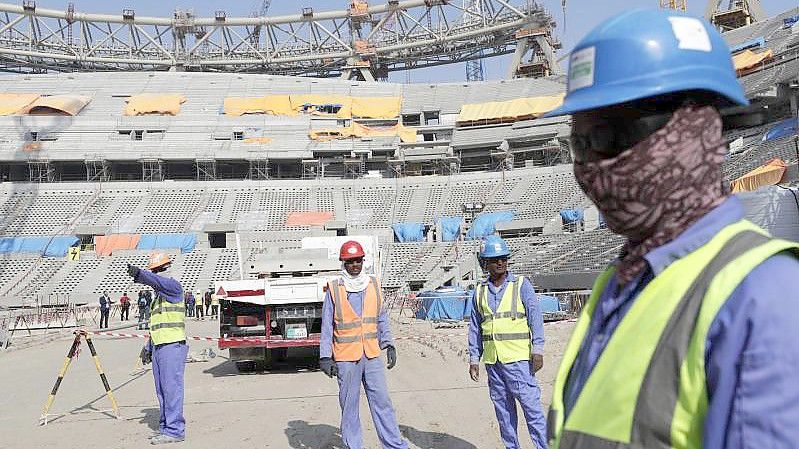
571 215
408 232
258 140
358 130
754 43
768 174
58 105
339 106
308 218
450 228
12 103
105 245
449 304
164 104
509 110
785 128
185 242
549 303
376 107
46 246
485 224
747 59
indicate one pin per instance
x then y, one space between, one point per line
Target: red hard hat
351 250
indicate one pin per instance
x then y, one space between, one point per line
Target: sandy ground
437 405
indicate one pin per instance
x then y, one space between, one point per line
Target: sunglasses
610 138
497 260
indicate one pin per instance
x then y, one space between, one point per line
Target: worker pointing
167 345
354 331
689 339
507 331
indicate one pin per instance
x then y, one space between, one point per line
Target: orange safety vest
354 336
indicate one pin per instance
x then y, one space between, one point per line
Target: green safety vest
167 321
648 387
506 335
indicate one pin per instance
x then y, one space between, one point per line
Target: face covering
354 283
655 190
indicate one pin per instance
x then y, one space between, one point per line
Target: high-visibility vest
505 333
167 321
354 336
648 388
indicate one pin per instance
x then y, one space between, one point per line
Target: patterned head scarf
655 190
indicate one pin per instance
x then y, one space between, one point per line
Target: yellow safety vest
506 335
167 321
648 388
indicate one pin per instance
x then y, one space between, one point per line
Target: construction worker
214 304
167 345
507 331
689 338
198 305
354 330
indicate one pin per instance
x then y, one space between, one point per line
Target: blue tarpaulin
185 242
47 246
449 304
571 215
408 232
485 224
754 43
450 228
788 22
549 303
784 128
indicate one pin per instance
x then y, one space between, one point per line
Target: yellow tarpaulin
768 174
11 104
512 109
376 107
406 135
271 104
748 59
58 105
315 104
165 104
261 140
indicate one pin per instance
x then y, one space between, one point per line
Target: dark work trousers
104 318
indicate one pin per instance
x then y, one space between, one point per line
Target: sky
580 17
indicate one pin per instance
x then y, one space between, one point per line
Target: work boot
165 439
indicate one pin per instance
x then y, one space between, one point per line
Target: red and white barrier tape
255 339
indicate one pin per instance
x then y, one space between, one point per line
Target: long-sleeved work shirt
532 308
167 287
751 350
356 301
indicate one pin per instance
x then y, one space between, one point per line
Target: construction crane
474 67
679 5
256 31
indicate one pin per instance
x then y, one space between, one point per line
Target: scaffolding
41 170
259 169
97 169
535 54
205 167
152 169
312 169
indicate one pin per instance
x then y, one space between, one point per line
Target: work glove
145 355
391 355
133 271
474 371
537 362
328 366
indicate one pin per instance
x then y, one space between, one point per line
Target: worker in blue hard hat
689 337
507 332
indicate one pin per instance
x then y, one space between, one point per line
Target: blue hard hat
645 53
494 246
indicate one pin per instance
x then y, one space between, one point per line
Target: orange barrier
105 245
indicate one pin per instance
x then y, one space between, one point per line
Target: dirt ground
292 406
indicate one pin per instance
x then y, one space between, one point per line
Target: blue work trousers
169 362
370 373
511 382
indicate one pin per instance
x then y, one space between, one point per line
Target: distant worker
207 302
188 298
105 309
167 345
144 310
214 305
506 330
354 330
689 339
124 303
198 309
